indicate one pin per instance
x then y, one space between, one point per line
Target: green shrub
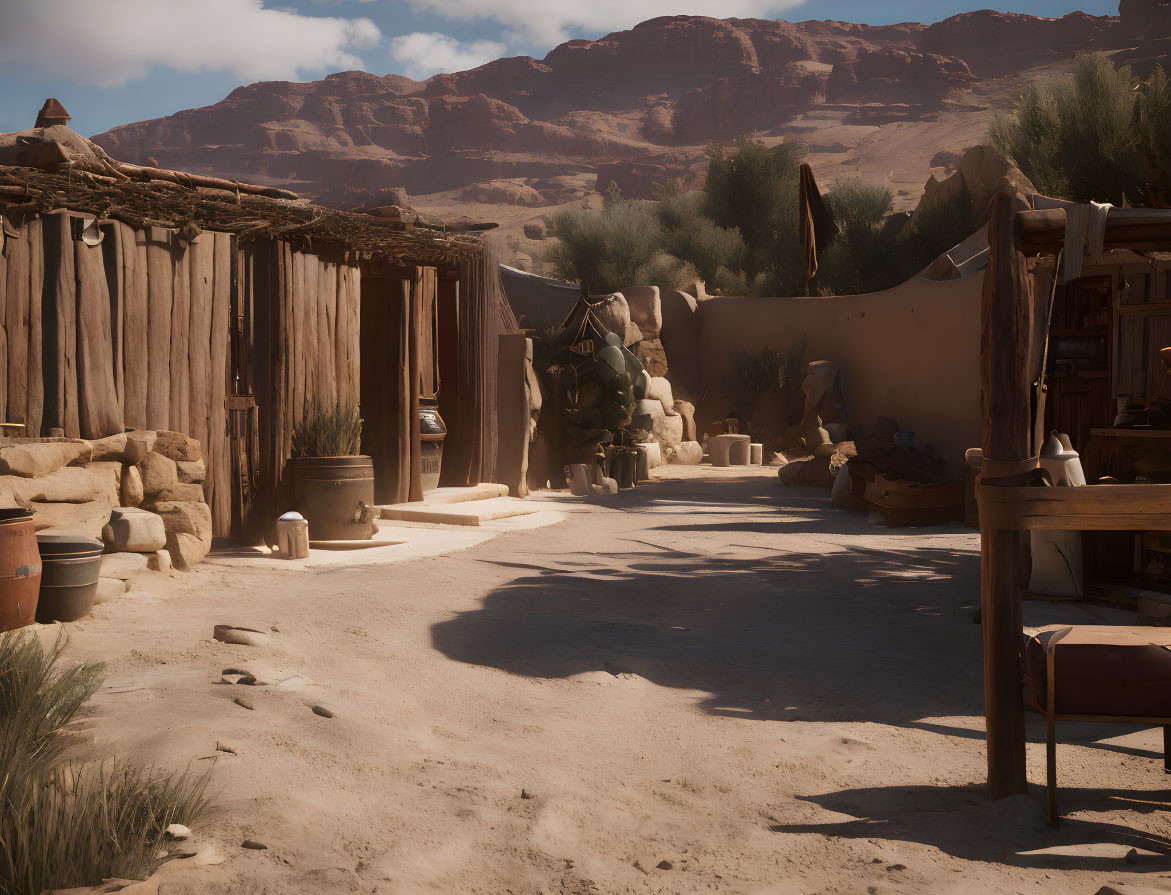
64 825
328 430
621 245
1074 135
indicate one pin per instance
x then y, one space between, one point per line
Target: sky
118 61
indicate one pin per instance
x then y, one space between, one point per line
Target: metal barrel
20 569
69 578
336 496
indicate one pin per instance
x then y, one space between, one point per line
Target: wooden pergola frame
1007 509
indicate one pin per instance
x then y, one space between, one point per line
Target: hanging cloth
815 220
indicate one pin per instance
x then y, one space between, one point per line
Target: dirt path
695 686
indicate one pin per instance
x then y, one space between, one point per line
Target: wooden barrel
20 569
336 496
69 579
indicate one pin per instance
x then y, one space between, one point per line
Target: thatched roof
180 202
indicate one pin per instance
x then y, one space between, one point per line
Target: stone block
668 430
175 492
613 315
109 589
159 561
654 453
112 447
653 356
158 472
686 453
646 309
192 471
186 550
131 530
186 517
139 443
755 454
69 484
72 518
659 389
177 446
687 410
131 491
36 459
123 565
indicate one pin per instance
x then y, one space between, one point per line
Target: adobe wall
911 353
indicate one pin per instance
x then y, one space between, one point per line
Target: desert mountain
638 106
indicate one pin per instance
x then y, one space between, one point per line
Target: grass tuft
332 430
64 824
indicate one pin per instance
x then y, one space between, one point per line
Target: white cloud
423 54
545 23
111 42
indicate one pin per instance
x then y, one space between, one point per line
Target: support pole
1006 383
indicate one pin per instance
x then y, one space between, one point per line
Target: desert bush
1074 135
863 254
66 825
1153 120
328 430
621 245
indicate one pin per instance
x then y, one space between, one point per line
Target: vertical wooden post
414 315
1006 383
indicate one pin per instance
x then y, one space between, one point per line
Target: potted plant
333 482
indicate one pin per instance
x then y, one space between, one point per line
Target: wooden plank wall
135 333
308 323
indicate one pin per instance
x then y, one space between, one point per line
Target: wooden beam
1006 383
1148 229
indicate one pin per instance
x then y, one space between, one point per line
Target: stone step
483 491
475 512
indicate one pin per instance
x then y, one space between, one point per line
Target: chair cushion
1106 670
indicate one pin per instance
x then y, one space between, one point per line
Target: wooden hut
1119 300
137 298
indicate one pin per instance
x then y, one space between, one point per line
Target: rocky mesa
635 107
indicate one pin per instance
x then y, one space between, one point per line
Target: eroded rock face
651 96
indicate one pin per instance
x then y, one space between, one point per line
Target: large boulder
659 389
131 530
192 471
537 228
686 453
646 310
109 589
186 517
158 472
132 492
188 525
613 315
177 446
178 491
186 551
34 459
123 565
68 485
139 443
113 447
653 356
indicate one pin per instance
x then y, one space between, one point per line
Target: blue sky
117 61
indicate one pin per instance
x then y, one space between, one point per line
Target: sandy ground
709 684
